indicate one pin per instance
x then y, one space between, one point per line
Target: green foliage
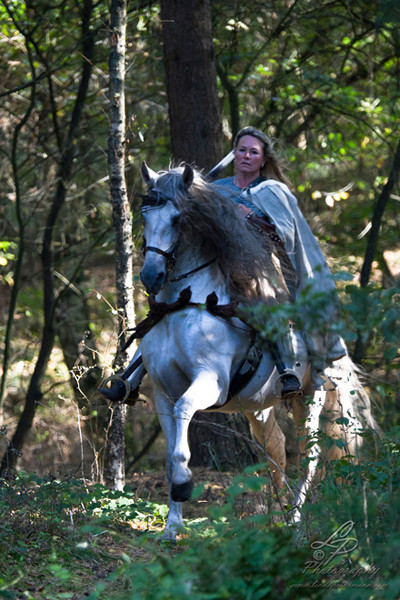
260 556
7 256
374 312
367 494
124 506
242 560
47 525
60 533
309 312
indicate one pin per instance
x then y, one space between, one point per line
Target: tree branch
377 218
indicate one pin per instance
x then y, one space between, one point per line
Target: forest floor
51 560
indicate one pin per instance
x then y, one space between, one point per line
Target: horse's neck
202 282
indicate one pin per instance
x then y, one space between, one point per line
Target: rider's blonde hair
272 167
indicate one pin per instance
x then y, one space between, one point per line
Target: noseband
170 256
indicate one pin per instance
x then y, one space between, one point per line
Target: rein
171 260
180 277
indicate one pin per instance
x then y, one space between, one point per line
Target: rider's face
249 156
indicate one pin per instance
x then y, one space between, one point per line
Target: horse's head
161 223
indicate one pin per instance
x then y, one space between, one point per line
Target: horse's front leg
165 413
204 392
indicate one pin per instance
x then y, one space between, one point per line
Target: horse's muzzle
153 278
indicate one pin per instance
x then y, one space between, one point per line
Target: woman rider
261 191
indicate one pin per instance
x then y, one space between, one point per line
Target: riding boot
291 386
120 391
126 387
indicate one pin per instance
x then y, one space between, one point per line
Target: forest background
320 77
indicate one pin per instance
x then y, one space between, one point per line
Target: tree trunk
115 470
34 393
191 80
21 232
222 442
373 238
196 137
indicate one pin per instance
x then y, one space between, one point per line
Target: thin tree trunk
34 393
233 99
115 469
21 232
373 238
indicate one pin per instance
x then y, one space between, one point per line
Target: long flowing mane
210 220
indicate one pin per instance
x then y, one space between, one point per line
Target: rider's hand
245 211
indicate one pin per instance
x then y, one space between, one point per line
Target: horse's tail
348 408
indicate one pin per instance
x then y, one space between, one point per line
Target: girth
246 370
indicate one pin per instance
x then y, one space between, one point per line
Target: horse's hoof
180 492
169 535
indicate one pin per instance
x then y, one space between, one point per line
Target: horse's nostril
159 282
152 279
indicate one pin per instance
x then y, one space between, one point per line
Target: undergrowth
66 539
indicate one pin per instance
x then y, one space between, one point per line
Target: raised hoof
180 492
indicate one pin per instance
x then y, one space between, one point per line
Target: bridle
152 201
170 256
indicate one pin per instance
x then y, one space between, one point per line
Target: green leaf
342 421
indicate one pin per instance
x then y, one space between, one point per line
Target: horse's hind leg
204 392
272 439
310 446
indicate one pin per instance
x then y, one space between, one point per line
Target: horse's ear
148 175
187 176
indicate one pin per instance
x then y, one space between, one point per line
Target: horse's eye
175 220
